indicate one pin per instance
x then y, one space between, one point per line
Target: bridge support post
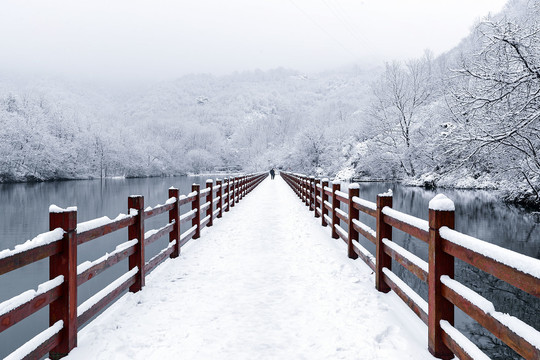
174 215
220 196
65 263
335 205
384 231
324 198
354 190
440 263
196 205
315 190
136 231
210 199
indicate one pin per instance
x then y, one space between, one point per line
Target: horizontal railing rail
60 246
444 245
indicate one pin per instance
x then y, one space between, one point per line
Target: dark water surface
24 214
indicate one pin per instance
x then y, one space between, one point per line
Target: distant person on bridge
272 174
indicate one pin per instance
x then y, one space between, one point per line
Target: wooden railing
445 244
60 246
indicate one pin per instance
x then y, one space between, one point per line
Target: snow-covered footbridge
266 281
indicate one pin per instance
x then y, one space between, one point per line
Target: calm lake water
24 214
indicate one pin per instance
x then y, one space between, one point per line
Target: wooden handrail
437 233
60 246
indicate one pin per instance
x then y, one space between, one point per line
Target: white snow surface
388 193
526 264
441 203
242 291
408 219
342 194
42 239
56 209
354 186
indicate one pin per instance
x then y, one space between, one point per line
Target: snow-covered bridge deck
265 282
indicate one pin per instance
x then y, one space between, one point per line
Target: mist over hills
467 118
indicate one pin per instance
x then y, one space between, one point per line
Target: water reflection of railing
445 244
60 244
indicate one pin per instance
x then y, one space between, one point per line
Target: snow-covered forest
467 118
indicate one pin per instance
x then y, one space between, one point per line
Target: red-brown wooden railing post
233 191
220 196
174 215
65 263
239 189
354 190
312 193
210 198
317 181
324 197
335 205
302 189
228 196
136 231
384 231
441 213
196 205
243 187
305 189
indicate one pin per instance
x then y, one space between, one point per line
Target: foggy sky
163 39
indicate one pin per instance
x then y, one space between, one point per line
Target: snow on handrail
364 227
417 299
364 203
187 232
341 232
328 219
364 251
187 214
40 240
406 218
342 213
520 328
99 222
18 300
87 305
36 341
520 262
467 345
88 264
342 194
407 254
